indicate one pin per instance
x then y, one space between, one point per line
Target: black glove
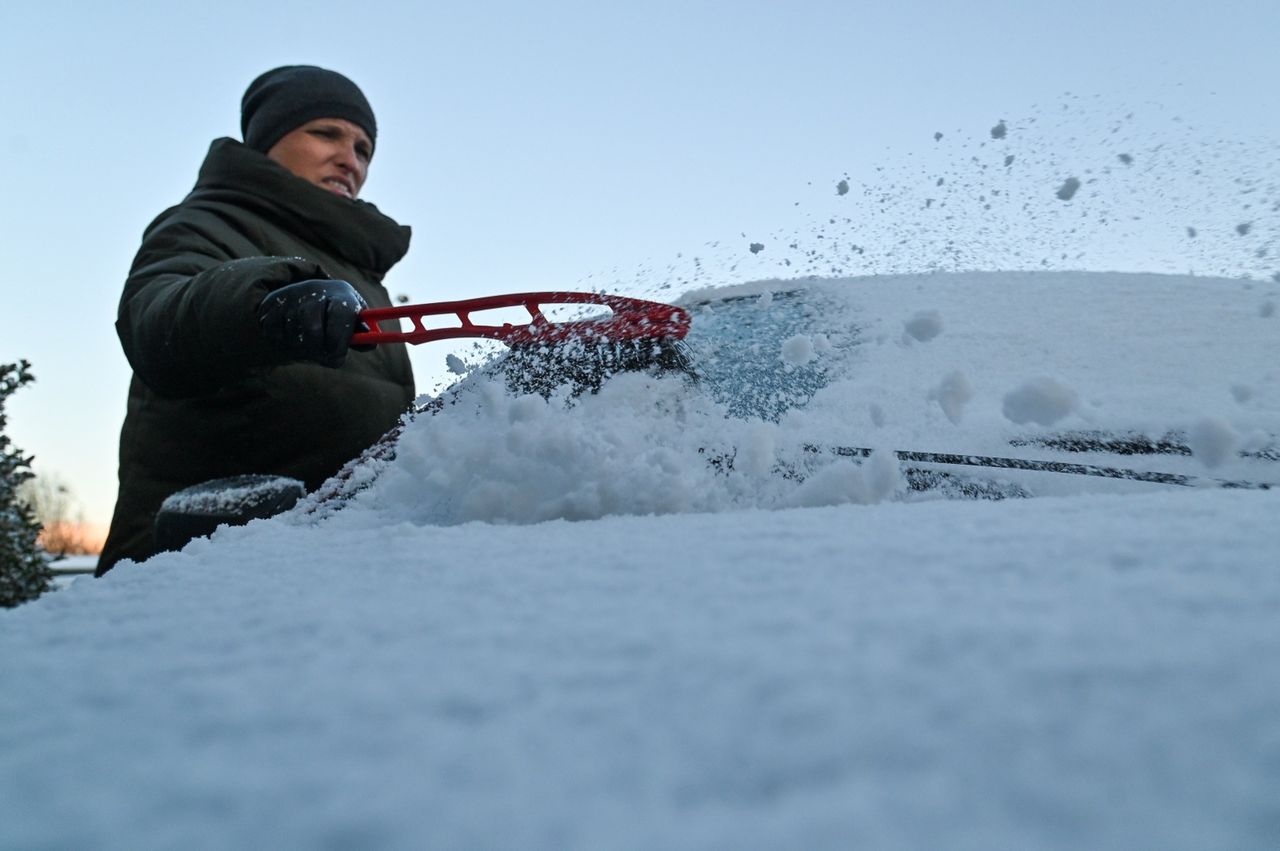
312 320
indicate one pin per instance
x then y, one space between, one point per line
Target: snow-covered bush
24 572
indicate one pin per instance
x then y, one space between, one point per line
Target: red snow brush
632 320
637 336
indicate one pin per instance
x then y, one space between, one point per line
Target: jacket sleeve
187 319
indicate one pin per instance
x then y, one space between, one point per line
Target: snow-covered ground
559 626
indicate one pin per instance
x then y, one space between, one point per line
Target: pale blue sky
530 146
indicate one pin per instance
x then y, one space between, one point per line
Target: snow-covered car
961 386
672 614
782 389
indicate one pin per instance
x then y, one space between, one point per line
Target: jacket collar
354 230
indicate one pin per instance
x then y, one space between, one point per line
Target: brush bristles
585 364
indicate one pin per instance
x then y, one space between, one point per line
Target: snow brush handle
632 319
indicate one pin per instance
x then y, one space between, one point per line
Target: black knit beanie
283 99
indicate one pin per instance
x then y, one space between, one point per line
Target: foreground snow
1077 672
715 659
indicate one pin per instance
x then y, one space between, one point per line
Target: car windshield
764 353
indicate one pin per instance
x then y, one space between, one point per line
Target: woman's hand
312 320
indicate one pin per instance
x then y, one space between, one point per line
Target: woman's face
332 153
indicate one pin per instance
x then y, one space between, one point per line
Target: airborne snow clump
1241 393
1069 188
924 326
798 350
1043 401
875 480
952 395
1212 441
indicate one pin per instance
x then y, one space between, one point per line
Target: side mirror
196 511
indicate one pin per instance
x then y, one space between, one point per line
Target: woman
240 305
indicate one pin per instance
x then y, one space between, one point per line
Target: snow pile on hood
642 445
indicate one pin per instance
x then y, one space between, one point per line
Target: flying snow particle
842 188
924 326
1127 159
758 453
883 475
1008 161
952 394
1212 441
757 247
1267 309
1191 232
1043 401
454 364
1241 393
1000 130
1069 188
1257 441
876 479
1244 227
798 350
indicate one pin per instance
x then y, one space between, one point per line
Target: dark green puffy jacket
209 398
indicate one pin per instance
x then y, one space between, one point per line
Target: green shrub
24 570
